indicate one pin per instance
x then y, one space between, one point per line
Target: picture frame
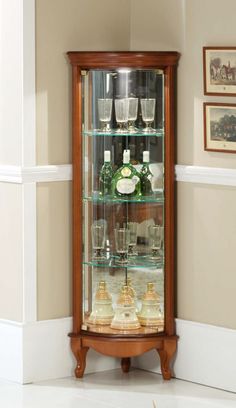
220 127
219 71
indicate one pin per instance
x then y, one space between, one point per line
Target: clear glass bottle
146 175
106 175
126 180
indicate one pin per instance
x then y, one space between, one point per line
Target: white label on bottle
125 186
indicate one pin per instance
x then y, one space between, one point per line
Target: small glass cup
98 240
122 239
132 114
148 113
122 111
132 227
155 233
104 113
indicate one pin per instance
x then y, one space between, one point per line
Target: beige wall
11 277
63 26
206 24
206 254
156 25
54 256
206 226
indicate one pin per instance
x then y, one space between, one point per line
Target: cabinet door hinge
84 72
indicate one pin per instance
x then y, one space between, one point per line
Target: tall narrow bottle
126 180
146 175
105 176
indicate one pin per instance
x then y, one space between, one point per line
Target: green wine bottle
106 175
126 180
146 176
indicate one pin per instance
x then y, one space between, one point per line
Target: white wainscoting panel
206 355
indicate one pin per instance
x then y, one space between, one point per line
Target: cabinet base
125 348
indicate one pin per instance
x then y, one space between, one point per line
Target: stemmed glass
132 227
132 114
104 113
122 110
98 240
148 113
155 233
122 239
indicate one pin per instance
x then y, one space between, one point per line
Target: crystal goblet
132 114
122 111
122 239
132 227
148 113
104 113
155 233
98 240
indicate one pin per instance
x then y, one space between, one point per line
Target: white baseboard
11 346
206 355
47 353
46 350
41 350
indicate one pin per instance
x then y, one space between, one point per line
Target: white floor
138 389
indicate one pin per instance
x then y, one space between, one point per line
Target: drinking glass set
126 242
126 110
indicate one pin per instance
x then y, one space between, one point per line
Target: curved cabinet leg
80 355
166 354
125 364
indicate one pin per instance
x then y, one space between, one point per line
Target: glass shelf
114 132
156 198
138 262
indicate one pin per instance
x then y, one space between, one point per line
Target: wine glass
132 114
98 240
155 233
122 239
122 111
104 113
148 113
132 227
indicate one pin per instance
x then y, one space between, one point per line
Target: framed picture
220 127
219 65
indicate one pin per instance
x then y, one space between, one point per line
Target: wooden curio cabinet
123 205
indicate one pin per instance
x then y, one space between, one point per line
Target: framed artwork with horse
219 71
220 127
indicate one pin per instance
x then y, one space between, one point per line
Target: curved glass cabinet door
123 201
